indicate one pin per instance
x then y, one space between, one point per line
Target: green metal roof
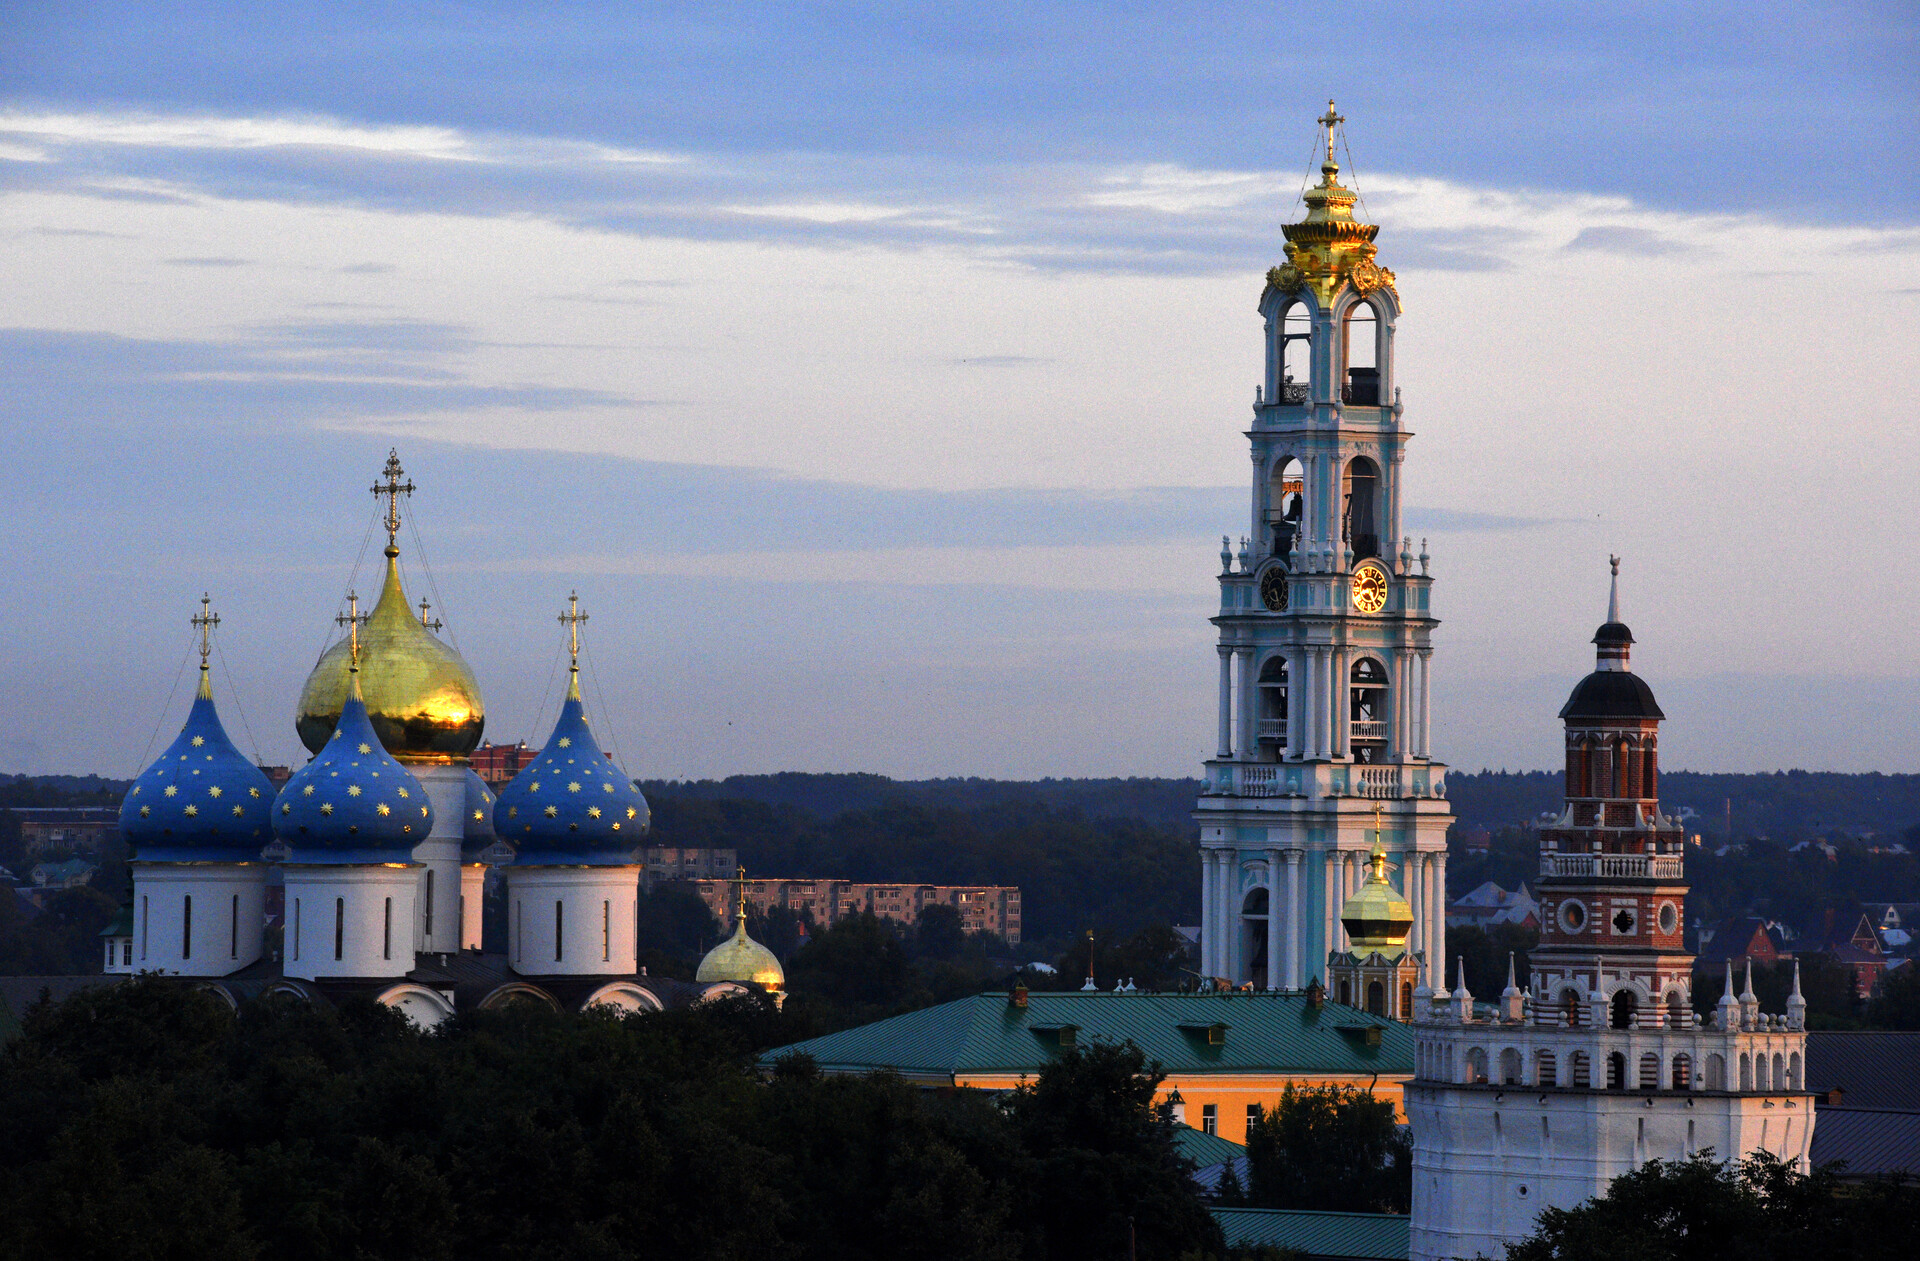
1346 1236
987 1034
121 925
1205 1149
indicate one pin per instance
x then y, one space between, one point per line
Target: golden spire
351 619
1330 249
393 488
740 898
204 621
571 619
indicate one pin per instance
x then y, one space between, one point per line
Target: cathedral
384 840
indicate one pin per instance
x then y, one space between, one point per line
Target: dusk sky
877 373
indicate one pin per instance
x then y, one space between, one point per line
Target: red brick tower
1612 887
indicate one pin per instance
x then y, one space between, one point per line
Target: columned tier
197 919
1261 784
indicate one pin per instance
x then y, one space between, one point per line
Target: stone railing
1379 781
1630 866
1369 730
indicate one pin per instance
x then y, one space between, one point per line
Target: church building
1325 633
384 839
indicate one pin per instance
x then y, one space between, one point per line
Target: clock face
1273 588
1369 588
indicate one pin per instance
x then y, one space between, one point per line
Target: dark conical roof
1611 694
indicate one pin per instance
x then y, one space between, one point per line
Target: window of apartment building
1210 1118
1253 1115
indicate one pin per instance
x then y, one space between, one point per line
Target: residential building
662 863
496 764
1490 904
70 874
982 908
76 829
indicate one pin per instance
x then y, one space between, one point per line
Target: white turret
1512 1002
1462 999
1796 1002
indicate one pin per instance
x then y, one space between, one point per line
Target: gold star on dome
171 790
326 807
552 811
239 811
535 788
135 792
307 791
353 790
253 792
383 808
145 811
406 827
616 825
365 747
631 812
198 741
337 733
513 812
566 742
403 792
593 812
214 791
423 812
286 807
606 788
477 816
193 811
574 787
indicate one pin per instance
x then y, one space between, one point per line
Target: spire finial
1329 121
571 619
1089 985
204 621
431 623
393 488
740 898
1378 858
1613 592
351 619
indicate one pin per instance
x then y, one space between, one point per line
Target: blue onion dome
420 695
476 828
203 800
571 806
352 803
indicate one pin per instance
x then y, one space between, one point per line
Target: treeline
148 1120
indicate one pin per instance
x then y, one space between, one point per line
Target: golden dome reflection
422 699
741 958
1376 917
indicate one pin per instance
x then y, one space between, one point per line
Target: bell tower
1324 630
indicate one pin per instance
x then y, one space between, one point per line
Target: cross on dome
571 619
393 488
204 621
1329 121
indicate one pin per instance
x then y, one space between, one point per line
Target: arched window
1576 767
1510 1067
1359 507
1682 1071
1716 1072
1545 1070
1360 353
1477 1065
1286 504
1679 1014
1296 353
1622 768
1616 1071
1746 1071
1624 1006
1367 726
1273 702
1376 998
1406 1000
1570 1008
1650 769
1779 1077
1582 1070
1793 1071
1649 1071
1346 993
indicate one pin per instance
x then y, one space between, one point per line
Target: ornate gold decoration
1330 249
422 699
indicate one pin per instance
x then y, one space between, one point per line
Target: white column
1426 707
1342 701
1226 702
1230 882
1209 911
1439 916
1295 926
1275 915
1249 745
1329 923
1397 702
1317 738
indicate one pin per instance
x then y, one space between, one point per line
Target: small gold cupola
1377 918
421 697
740 958
1330 249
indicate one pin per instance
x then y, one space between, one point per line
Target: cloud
999 361
366 269
1616 239
208 262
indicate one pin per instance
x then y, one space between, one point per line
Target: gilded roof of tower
1330 249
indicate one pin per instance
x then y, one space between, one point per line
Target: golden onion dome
741 958
422 699
1376 917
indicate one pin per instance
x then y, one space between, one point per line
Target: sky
877 373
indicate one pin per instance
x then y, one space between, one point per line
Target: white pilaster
1209 909
1226 702
1275 916
1246 737
1295 919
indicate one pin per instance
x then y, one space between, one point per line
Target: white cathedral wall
350 921
473 902
572 921
198 919
438 927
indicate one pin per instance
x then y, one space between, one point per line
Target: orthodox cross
1330 120
571 619
393 488
433 623
204 621
352 619
740 902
